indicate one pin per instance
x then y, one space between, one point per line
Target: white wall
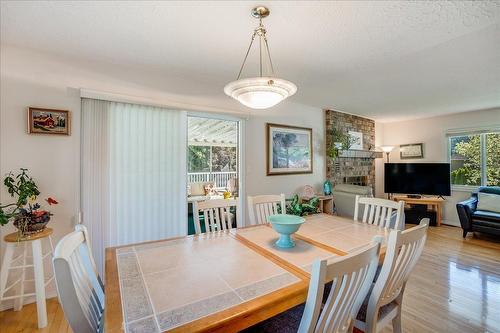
431 132
288 114
52 160
29 78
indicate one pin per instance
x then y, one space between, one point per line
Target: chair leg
396 322
464 234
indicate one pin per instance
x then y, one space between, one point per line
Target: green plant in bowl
285 225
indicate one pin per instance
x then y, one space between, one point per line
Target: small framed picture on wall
48 121
411 151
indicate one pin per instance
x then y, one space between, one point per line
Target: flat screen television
417 178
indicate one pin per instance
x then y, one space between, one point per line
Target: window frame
482 139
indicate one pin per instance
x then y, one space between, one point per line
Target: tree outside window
212 159
198 158
224 159
475 159
493 159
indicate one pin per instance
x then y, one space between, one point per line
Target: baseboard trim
452 223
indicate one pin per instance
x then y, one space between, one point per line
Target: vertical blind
133 173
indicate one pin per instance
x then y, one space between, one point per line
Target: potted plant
297 207
24 211
339 141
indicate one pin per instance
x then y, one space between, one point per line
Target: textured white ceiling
385 60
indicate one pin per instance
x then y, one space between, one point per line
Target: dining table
223 281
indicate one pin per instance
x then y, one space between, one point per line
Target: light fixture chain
246 56
260 55
269 55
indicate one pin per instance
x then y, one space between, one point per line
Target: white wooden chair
216 214
379 211
261 206
351 278
80 289
385 300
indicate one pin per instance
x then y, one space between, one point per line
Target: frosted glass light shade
387 149
260 92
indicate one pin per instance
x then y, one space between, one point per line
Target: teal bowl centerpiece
285 225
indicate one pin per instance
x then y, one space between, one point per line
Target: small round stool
12 242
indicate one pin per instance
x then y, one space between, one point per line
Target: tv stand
414 196
434 203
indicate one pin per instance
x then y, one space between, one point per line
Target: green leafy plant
24 189
339 141
297 207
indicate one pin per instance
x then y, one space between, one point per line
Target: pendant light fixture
260 92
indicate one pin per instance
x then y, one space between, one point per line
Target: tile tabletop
168 284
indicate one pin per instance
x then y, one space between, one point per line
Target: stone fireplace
355 167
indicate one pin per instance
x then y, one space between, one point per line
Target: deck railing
220 178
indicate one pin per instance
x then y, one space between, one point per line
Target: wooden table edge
113 313
246 314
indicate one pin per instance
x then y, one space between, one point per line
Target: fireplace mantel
359 154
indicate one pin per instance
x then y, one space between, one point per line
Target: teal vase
327 187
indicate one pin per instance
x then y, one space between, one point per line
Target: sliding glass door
213 160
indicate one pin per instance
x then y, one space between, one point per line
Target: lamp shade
387 149
260 92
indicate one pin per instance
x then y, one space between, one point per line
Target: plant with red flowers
25 211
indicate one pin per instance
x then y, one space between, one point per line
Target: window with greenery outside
212 159
475 159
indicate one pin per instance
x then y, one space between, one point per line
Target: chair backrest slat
84 290
261 206
351 277
216 214
403 251
79 287
379 211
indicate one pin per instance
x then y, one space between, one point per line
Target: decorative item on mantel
340 141
25 212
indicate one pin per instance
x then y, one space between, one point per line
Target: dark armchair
472 219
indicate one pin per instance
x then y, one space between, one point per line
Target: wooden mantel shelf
359 154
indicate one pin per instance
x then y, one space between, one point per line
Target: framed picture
289 150
48 121
355 140
410 151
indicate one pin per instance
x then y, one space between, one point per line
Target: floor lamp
387 150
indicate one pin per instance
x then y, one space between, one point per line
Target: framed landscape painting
289 150
48 121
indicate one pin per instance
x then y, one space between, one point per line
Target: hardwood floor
26 319
455 288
